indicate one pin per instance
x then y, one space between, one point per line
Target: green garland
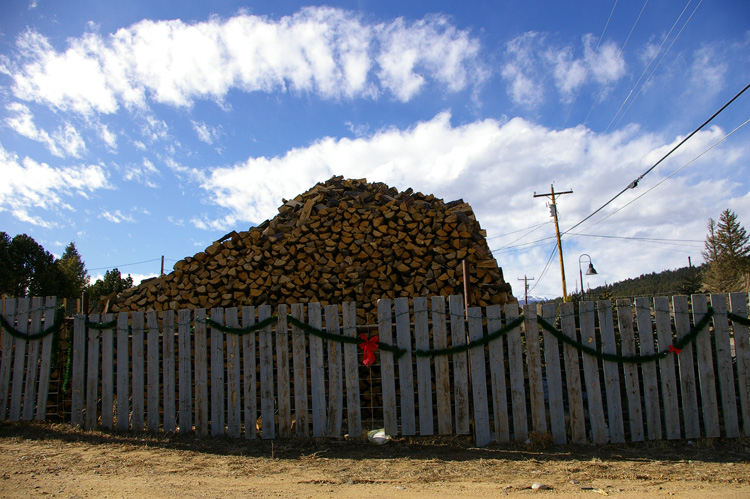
54 328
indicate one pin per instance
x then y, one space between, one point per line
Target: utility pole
553 212
526 288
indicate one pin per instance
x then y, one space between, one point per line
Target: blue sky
141 129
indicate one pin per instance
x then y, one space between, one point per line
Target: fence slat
534 366
667 369
78 371
351 364
650 387
217 374
497 377
234 399
152 368
611 373
460 365
442 375
19 360
573 376
9 306
92 376
185 372
201 372
249 375
317 373
591 374
632 389
405 369
706 373
738 304
265 351
387 370
479 380
139 392
123 373
688 386
45 362
335 379
284 401
168 374
516 368
554 377
424 382
724 366
108 375
299 362
32 369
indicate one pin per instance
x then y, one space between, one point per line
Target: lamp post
590 271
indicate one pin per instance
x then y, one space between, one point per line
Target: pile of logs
341 240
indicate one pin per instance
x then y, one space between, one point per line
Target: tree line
27 269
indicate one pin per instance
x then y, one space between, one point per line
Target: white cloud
489 163
143 173
65 141
29 185
116 217
325 51
206 133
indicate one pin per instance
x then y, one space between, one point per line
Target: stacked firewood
342 240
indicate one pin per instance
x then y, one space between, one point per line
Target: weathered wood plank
32 362
9 307
234 396
108 375
405 369
45 362
335 378
168 370
123 373
478 380
200 358
267 402
611 374
442 375
573 376
351 364
517 376
249 375
387 371
317 373
650 386
424 381
92 376
669 395
534 366
78 395
706 373
738 304
152 366
591 374
185 377
688 385
284 401
138 393
299 363
460 365
632 387
554 377
724 367
497 377
19 359
217 374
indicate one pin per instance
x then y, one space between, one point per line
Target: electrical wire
127 264
516 231
546 268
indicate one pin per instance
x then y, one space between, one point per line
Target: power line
516 231
127 264
634 183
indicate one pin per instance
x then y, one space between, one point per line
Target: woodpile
341 240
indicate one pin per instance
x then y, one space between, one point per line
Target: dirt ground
54 460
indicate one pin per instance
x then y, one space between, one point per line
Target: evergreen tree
727 255
74 270
113 282
27 268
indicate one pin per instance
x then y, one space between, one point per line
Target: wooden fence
181 371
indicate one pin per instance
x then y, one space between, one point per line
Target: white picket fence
171 372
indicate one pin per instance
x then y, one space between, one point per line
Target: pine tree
74 269
727 255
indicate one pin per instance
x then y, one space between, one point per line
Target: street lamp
590 271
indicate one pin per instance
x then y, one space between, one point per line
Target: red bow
674 350
368 345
